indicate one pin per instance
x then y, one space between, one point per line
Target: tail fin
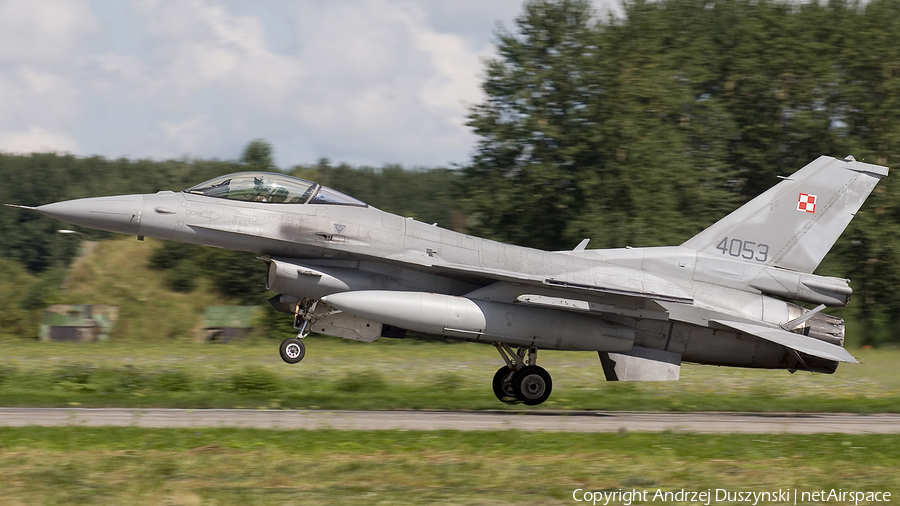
796 222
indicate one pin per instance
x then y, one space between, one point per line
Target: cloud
383 81
34 95
367 82
187 133
362 81
37 140
197 45
43 32
41 45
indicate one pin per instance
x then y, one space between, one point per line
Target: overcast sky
368 82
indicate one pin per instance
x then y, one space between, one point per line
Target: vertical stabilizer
796 222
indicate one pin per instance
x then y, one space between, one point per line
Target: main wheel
531 385
292 350
503 386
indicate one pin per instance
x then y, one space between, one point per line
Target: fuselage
433 259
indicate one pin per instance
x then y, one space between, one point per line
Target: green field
78 465
402 374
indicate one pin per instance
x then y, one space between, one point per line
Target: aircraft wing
657 291
613 280
797 342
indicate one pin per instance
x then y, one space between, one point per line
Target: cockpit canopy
272 188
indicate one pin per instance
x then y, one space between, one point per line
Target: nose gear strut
303 316
293 350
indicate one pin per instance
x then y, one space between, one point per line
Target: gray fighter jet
346 269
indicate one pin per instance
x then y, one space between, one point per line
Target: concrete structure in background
222 324
78 322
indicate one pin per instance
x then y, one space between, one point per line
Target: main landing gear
520 380
293 350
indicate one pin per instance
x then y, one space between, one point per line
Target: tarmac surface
549 421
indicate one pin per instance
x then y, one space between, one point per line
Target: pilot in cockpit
263 192
259 192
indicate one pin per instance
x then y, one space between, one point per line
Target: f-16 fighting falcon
346 269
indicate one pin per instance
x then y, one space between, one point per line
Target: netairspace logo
710 496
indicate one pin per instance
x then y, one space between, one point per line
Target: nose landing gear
521 380
293 350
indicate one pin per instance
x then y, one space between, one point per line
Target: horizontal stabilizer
641 364
801 343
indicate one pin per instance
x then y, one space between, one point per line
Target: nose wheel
292 350
521 380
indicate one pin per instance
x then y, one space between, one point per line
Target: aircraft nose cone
114 214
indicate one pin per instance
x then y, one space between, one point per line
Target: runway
549 421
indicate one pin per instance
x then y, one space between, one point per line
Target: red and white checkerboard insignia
806 203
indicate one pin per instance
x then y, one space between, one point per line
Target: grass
402 374
79 465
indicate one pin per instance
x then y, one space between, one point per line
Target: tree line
643 129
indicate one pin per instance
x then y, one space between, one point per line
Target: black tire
292 350
503 386
532 385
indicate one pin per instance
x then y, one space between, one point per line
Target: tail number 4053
747 250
